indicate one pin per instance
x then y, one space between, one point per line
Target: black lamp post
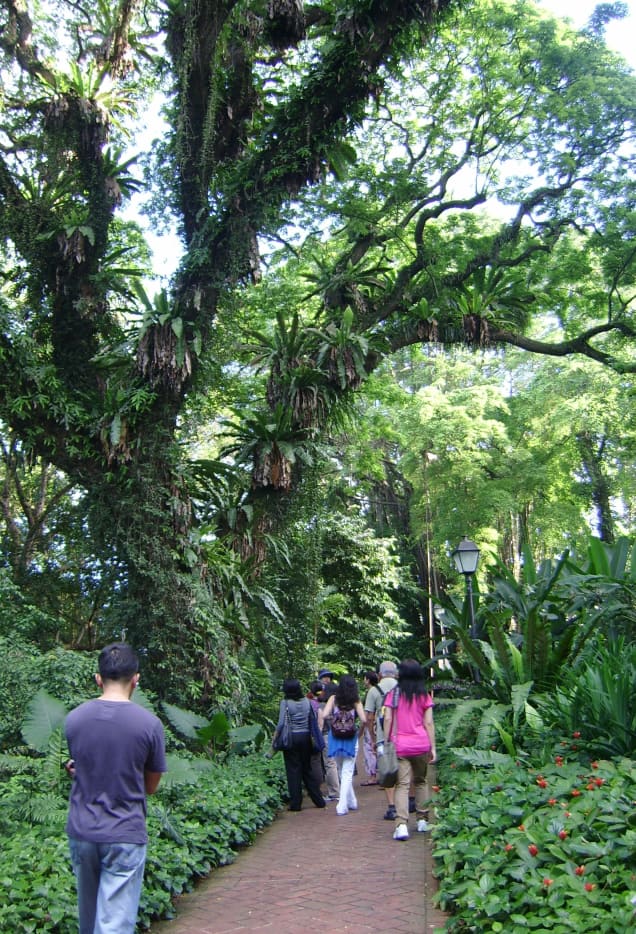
466 558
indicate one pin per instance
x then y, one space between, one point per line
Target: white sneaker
401 832
422 826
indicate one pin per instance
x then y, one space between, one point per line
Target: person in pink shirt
408 722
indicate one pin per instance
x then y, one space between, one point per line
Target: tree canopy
348 178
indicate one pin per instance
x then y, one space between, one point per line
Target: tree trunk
592 450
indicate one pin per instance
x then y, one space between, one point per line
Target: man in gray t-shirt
117 756
373 707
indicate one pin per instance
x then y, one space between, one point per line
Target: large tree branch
292 152
15 39
479 332
581 344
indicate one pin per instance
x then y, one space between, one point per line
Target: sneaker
342 811
401 832
390 813
422 826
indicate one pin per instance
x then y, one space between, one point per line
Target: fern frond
482 758
463 711
519 695
492 718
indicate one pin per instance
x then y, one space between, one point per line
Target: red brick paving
312 872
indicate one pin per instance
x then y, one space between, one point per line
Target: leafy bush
66 675
192 828
18 668
597 699
550 849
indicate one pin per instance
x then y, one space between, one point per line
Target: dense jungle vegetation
402 312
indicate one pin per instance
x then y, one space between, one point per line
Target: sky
620 35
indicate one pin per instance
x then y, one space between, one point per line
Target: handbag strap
395 700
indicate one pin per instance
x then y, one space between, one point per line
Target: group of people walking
397 708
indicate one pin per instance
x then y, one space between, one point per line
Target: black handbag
283 737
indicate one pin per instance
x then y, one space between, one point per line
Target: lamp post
466 558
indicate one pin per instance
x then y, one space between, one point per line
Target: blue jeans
109 878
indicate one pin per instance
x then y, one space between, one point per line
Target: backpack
343 723
382 694
394 702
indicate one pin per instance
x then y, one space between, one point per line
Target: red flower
563 834
594 765
598 782
521 827
552 801
548 882
579 870
576 734
589 886
541 782
533 850
435 788
508 847
575 793
591 786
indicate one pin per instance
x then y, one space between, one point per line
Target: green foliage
18 616
537 626
547 848
596 699
235 800
67 676
44 715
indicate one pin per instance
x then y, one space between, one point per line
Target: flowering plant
521 848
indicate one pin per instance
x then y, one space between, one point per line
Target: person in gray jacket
298 758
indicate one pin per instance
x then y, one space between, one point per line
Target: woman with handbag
408 722
294 736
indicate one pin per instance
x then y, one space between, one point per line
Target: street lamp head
466 556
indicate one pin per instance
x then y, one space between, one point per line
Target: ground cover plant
528 848
193 827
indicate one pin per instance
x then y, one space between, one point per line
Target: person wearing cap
373 709
330 766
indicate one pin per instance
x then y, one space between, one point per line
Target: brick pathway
281 884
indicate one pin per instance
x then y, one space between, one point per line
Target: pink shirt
408 731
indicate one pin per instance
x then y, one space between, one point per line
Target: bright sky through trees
620 35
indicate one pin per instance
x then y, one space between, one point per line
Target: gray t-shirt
385 685
113 743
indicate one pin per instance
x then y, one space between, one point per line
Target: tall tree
264 102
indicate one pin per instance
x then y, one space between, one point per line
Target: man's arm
151 781
371 723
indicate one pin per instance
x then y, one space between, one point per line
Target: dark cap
324 672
